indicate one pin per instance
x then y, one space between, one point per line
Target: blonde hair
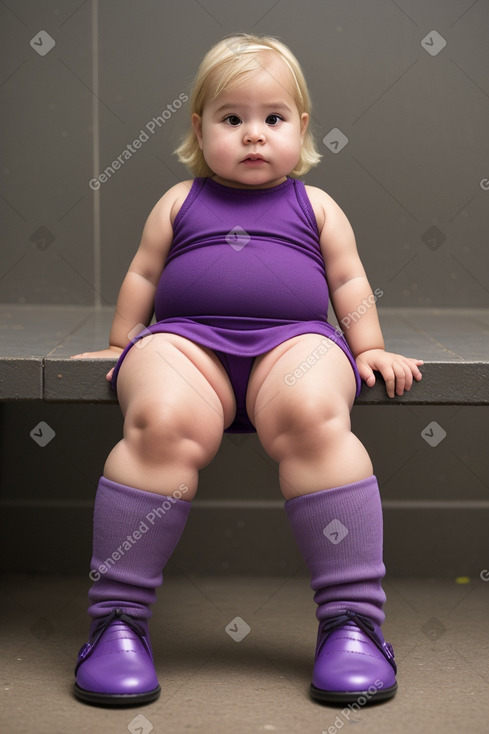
223 67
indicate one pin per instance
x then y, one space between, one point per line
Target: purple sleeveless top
244 272
250 253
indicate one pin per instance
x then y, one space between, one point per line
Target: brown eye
233 120
273 119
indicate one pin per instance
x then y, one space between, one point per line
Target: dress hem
226 336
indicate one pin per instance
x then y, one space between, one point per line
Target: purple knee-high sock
134 534
339 533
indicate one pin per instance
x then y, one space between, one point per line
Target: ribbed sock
134 534
339 533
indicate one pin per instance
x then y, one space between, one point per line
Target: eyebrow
267 106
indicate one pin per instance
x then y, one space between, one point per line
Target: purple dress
244 273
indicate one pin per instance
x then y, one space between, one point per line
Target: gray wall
409 179
416 124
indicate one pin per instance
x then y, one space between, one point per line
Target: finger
417 374
366 373
408 377
400 373
412 365
415 363
390 381
109 374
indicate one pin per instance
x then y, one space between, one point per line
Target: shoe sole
352 697
116 699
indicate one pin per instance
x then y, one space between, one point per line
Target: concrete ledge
77 380
443 383
21 378
37 342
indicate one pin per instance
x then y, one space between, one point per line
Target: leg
174 419
305 426
334 508
176 400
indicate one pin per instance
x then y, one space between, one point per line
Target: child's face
251 136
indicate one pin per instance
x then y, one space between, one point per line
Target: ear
197 126
304 124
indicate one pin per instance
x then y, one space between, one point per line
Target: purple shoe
353 661
116 667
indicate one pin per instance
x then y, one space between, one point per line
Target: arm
135 302
354 302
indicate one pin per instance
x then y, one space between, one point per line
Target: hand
398 371
111 352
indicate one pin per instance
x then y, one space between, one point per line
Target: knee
166 431
303 426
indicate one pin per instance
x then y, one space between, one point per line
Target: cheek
219 146
290 147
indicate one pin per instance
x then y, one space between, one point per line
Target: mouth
254 158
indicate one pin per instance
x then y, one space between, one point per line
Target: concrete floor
212 684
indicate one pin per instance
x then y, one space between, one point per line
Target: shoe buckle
388 651
84 651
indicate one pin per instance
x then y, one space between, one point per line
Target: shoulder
324 206
170 203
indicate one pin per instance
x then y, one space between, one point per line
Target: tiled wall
404 84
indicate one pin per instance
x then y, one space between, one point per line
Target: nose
254 133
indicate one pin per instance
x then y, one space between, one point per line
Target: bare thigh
168 366
177 400
299 400
284 380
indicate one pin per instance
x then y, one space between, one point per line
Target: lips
253 157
